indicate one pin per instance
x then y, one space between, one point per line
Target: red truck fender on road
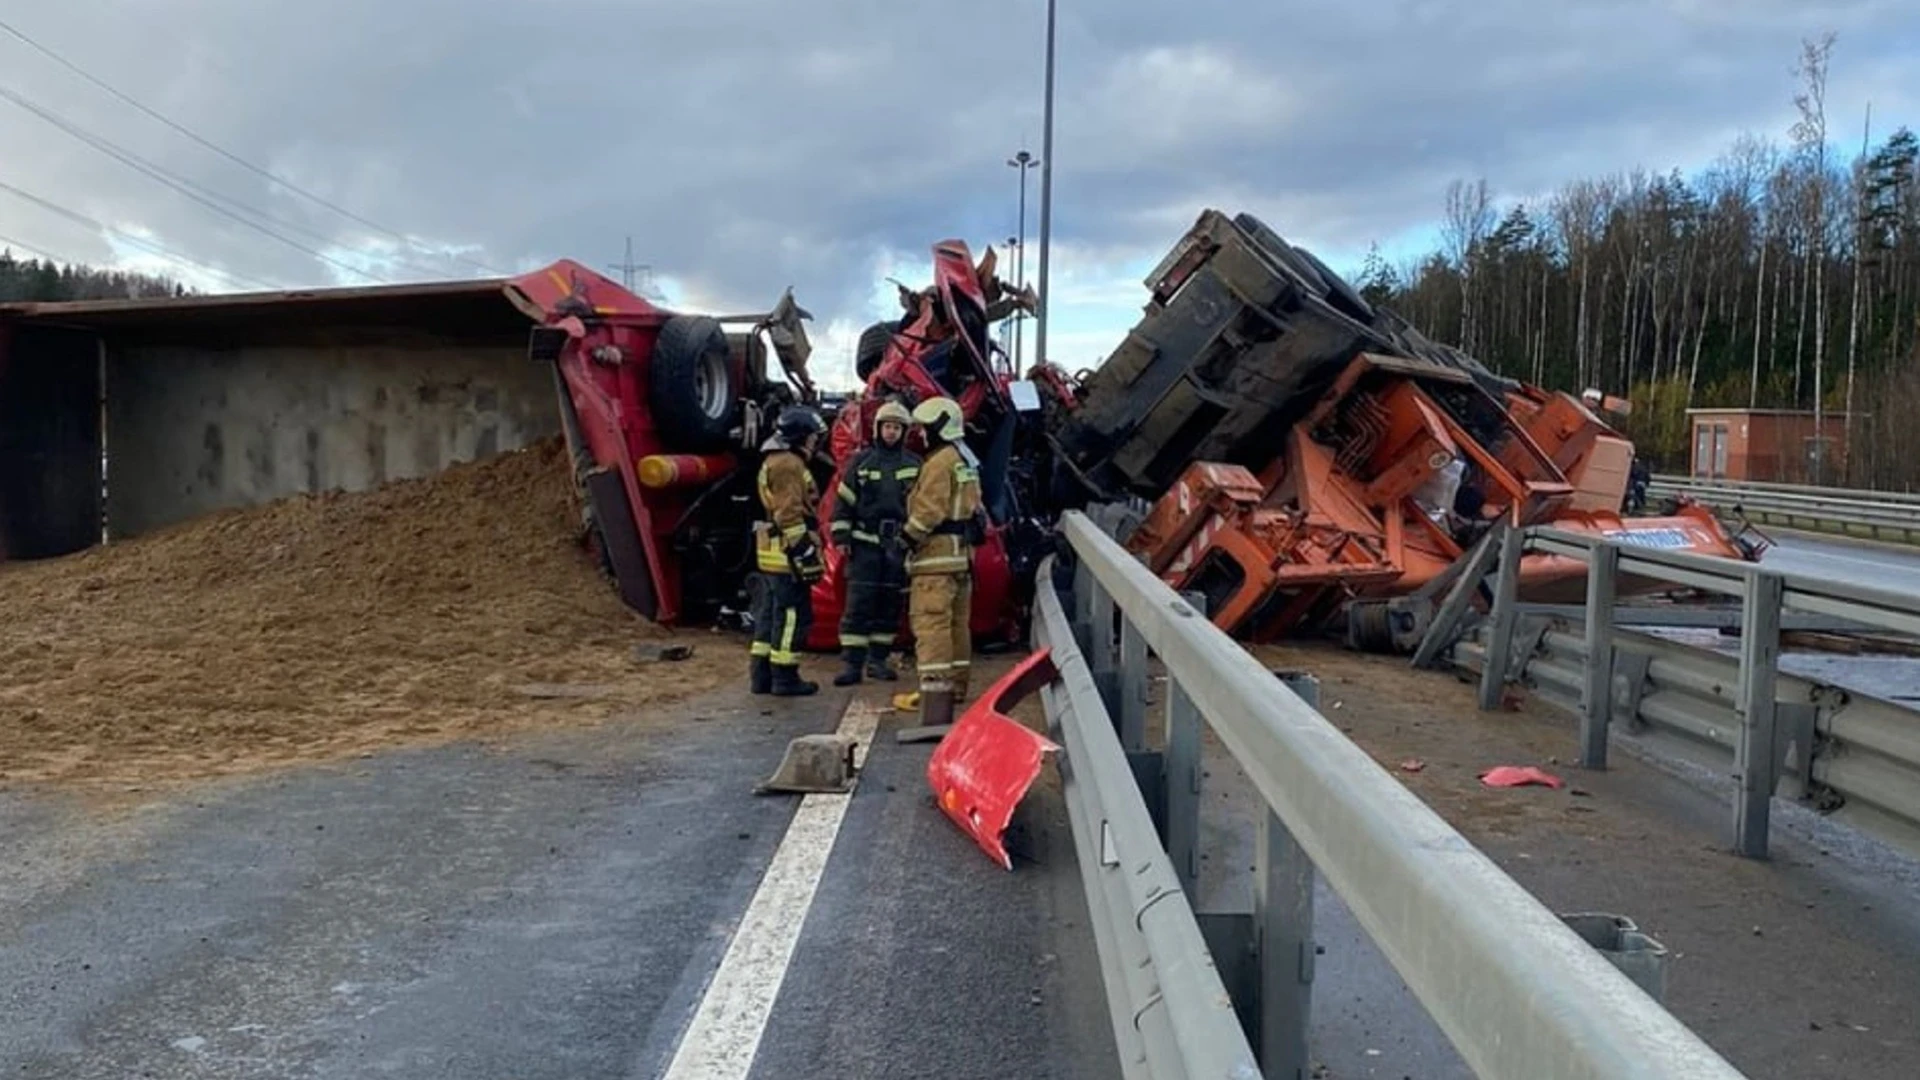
985 764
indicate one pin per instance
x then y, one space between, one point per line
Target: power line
7 243
152 248
108 146
222 151
139 164
42 253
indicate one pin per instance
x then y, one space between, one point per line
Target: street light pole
1046 200
1022 161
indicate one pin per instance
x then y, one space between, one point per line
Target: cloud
749 145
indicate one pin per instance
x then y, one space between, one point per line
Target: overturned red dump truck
1283 446
663 414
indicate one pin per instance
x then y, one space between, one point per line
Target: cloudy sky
748 145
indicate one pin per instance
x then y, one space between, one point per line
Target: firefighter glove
976 530
804 557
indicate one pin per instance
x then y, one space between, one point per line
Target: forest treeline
1786 275
37 280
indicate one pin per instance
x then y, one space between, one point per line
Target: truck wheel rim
710 384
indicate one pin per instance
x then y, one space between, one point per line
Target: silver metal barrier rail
1516 990
1846 753
1171 1015
1875 514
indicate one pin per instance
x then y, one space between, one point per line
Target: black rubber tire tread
1342 296
684 341
872 349
1282 253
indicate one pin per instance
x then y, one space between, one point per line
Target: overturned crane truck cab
943 346
1306 449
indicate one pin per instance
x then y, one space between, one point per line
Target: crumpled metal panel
985 764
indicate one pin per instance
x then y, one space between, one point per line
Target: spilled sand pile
323 625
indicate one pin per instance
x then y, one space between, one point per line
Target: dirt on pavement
323 625
1802 966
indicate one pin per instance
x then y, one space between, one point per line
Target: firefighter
869 510
787 553
944 524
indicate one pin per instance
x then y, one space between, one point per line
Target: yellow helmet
895 412
942 418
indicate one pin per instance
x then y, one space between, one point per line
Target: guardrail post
1758 759
1182 832
1443 631
1099 650
1084 586
1283 932
1132 714
1493 676
1597 709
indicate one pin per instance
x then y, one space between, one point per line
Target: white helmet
942 418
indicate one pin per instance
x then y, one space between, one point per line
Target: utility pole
628 267
1046 199
1022 161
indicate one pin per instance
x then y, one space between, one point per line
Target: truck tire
872 349
695 384
1282 253
1341 296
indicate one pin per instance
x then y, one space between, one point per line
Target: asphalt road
1894 678
1879 566
554 906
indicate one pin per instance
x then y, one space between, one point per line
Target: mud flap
986 763
613 515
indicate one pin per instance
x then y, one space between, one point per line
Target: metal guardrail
1880 515
1518 992
1847 754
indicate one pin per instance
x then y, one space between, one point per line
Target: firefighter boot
936 708
877 667
760 675
788 683
853 658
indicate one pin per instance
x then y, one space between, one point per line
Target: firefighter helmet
895 412
942 418
796 423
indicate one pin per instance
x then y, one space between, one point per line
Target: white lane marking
724 1037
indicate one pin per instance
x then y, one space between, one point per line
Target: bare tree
1810 134
1720 289
1579 213
1857 218
1468 220
1747 167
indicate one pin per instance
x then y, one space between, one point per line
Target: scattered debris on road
653 653
987 761
813 764
1507 776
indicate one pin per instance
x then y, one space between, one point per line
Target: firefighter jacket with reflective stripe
790 499
871 503
944 499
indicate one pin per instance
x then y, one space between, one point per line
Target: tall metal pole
1046 200
1022 161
